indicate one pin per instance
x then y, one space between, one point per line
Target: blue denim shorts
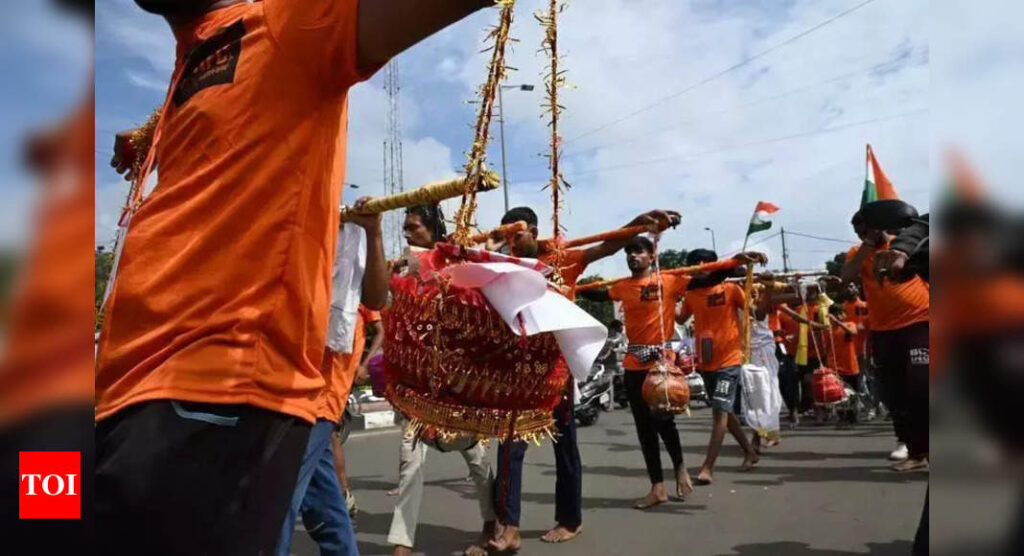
723 388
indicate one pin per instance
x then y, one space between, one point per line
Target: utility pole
393 179
785 254
501 125
714 246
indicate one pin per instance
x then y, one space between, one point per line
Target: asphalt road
822 492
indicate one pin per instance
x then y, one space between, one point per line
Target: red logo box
50 485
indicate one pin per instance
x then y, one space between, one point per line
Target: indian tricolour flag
877 186
761 220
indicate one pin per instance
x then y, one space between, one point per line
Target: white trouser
410 487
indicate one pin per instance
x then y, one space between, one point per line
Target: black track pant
789 381
901 368
195 478
649 426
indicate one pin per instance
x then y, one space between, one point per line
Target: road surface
822 492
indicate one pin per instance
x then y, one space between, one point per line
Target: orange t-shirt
774 322
892 306
715 319
223 289
47 353
857 312
790 333
339 369
644 326
844 360
571 268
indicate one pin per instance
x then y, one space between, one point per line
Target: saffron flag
761 220
877 186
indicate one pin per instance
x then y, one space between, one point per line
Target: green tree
672 258
10 263
835 266
104 261
603 311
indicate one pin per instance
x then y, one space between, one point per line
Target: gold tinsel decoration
554 80
476 163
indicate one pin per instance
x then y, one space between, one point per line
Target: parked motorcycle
596 394
611 357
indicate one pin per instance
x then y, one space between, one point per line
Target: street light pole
713 246
501 124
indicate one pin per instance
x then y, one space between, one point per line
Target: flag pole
747 238
867 170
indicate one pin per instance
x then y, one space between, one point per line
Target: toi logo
50 485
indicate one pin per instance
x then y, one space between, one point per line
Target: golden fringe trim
453 421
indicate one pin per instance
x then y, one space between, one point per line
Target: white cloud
145 82
125 31
723 151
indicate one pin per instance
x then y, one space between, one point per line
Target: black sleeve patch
211 62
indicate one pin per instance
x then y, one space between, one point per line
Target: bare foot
561 533
684 486
772 443
479 548
652 499
393 492
508 541
703 478
402 550
750 461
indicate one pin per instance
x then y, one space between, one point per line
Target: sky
45 55
700 106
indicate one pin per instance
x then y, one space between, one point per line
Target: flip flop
572 535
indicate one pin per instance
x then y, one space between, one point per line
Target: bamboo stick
430 193
682 271
611 235
503 230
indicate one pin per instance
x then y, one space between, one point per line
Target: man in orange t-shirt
789 375
216 322
857 312
898 319
322 491
715 306
841 354
47 349
568 467
649 308
841 349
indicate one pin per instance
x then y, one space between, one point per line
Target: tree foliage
835 266
672 258
603 311
104 261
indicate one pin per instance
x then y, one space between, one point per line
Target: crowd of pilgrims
798 326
